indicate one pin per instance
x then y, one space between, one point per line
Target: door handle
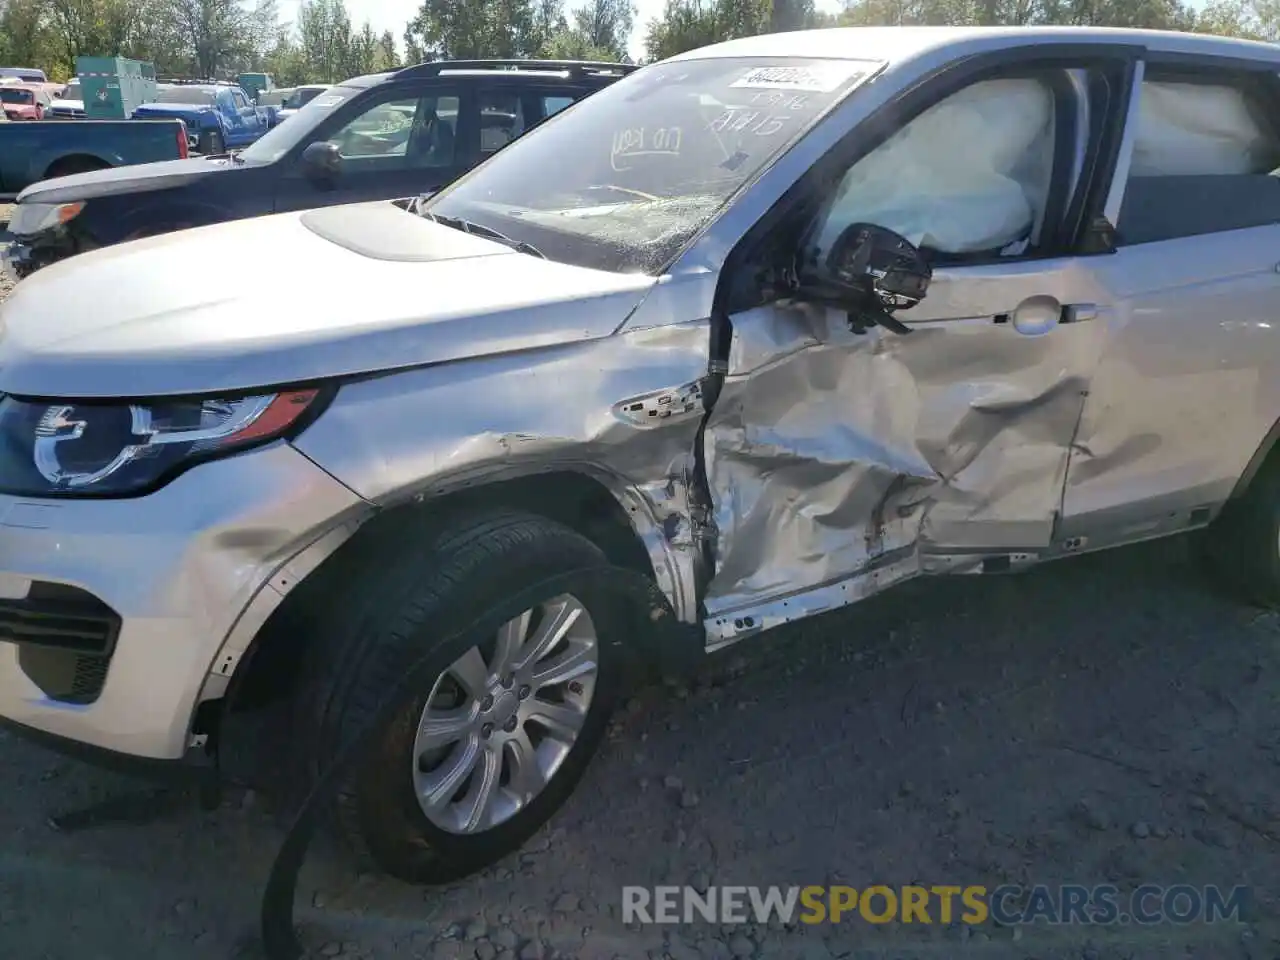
1036 316
1079 312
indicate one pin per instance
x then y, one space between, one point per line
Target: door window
412 132
968 176
502 119
1204 160
241 102
551 105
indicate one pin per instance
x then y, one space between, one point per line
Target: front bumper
26 255
158 582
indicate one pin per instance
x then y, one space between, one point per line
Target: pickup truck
24 101
30 152
221 116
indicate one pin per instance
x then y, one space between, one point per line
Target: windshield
16 95
300 98
280 140
72 92
190 95
628 176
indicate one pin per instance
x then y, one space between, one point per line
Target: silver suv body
605 349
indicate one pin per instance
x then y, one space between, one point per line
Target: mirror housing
322 160
871 272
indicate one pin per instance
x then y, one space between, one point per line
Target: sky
394 14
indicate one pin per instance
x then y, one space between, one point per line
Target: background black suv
377 137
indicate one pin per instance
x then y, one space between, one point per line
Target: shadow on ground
1105 719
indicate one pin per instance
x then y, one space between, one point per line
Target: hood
134 178
373 288
20 111
183 110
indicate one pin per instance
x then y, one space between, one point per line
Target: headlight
74 448
32 218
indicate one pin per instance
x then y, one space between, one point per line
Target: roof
893 44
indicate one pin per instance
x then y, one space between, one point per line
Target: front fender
624 410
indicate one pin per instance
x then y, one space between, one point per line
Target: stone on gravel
1140 830
533 950
474 930
331 949
740 947
1091 816
1198 803
566 903
672 782
506 939
1213 837
486 951
689 799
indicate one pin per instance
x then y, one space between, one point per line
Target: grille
65 640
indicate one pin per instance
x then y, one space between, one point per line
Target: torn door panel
832 455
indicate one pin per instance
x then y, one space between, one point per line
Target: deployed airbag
969 174
1188 129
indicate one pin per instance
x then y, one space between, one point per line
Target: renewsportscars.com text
1006 905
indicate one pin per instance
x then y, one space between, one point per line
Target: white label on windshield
328 101
813 78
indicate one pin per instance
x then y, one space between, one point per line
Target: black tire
420 589
1242 546
72 165
211 143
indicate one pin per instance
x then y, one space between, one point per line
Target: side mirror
871 272
322 160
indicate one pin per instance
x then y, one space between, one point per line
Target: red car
24 101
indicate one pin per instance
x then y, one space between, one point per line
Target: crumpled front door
841 463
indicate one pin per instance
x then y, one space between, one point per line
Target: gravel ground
1103 719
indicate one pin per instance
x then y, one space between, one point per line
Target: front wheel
505 615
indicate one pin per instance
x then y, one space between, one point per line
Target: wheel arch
258 665
72 163
1268 448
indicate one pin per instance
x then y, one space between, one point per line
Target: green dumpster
255 84
113 87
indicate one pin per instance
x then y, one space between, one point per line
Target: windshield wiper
480 230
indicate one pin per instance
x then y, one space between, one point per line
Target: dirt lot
1105 719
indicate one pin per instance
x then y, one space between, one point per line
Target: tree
27 39
605 25
388 55
221 36
324 37
688 24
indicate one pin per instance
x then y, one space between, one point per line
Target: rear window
73 91
300 98
190 95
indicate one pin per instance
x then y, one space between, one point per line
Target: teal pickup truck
30 152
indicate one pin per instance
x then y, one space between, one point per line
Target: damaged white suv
749 335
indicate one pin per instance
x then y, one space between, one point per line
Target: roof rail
577 68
